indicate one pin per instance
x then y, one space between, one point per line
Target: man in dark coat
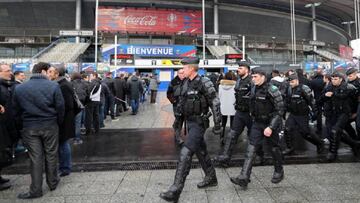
67 127
7 132
110 103
81 88
317 84
135 89
120 94
40 105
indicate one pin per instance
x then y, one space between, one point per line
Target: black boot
206 164
354 144
3 180
289 143
260 157
230 141
244 178
315 140
183 169
278 175
333 147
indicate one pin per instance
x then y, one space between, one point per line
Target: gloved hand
217 130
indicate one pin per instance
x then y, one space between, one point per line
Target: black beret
351 71
244 63
337 74
190 60
293 77
258 70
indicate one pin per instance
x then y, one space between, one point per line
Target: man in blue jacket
40 105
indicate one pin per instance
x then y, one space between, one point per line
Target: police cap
244 64
258 70
351 71
337 74
293 77
190 61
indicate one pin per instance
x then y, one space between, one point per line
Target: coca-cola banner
345 52
150 20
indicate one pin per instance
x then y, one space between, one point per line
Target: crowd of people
42 114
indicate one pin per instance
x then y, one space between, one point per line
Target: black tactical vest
340 101
296 102
242 94
193 97
261 108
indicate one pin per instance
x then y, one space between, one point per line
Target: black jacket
135 88
174 86
120 88
8 130
67 127
317 84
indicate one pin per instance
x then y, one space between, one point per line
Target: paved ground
338 182
159 115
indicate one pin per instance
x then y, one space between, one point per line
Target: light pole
349 23
96 30
203 25
313 11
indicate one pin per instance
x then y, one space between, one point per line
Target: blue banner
25 67
166 51
88 67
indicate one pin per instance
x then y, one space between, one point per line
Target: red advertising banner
345 52
149 20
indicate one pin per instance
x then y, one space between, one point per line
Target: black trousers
299 124
42 143
257 136
195 135
92 116
241 120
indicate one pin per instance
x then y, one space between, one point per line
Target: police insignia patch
274 88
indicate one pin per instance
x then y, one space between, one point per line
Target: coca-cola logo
143 20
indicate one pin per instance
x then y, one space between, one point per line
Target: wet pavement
133 160
336 182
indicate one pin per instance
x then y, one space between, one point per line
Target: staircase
329 55
63 52
220 51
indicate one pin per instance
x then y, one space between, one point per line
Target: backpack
80 90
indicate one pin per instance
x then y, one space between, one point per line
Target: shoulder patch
273 88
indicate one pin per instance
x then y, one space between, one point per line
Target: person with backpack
80 87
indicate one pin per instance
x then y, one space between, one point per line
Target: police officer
173 94
242 117
355 110
337 97
266 109
197 95
298 99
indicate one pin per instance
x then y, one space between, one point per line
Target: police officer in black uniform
173 94
197 96
266 109
242 117
337 98
355 110
298 99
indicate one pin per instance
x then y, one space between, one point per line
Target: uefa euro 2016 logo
172 19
